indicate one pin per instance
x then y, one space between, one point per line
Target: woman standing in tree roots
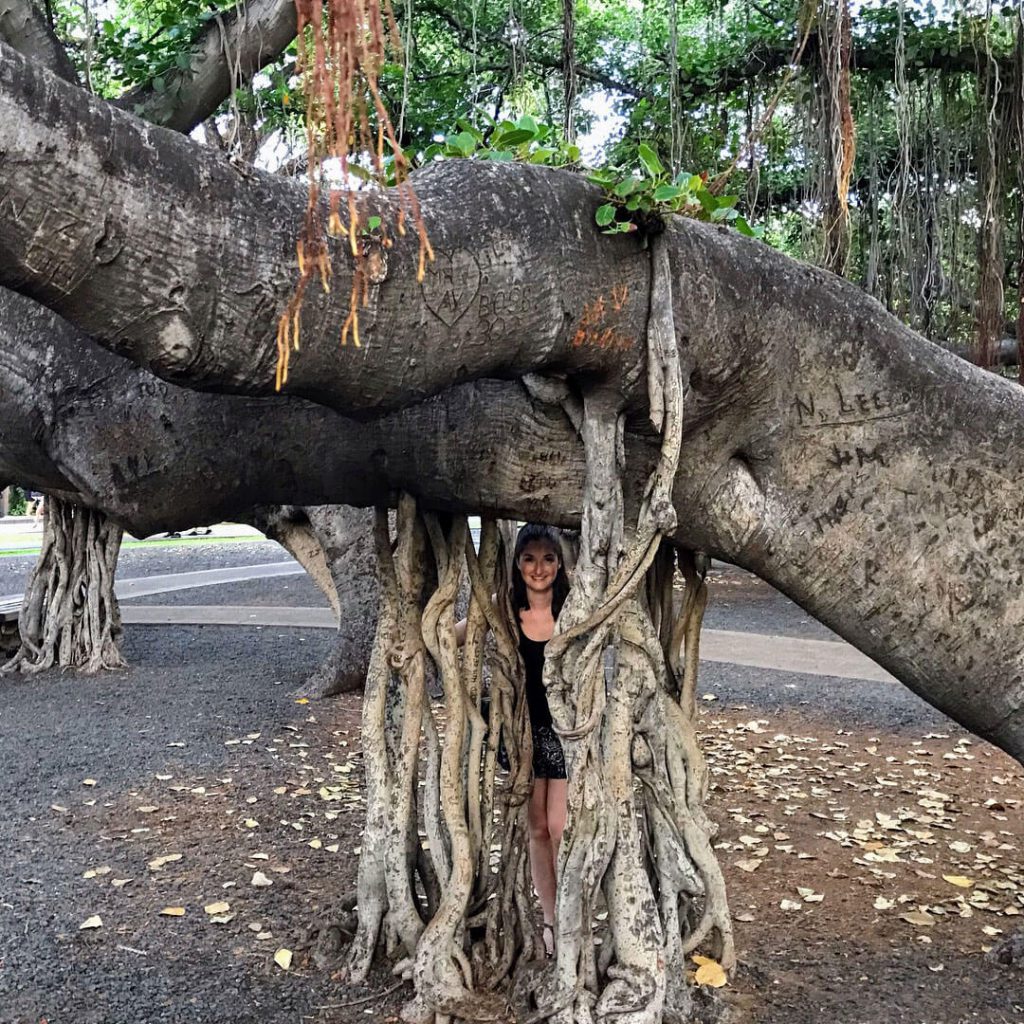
539 589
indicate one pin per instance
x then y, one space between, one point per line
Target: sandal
549 949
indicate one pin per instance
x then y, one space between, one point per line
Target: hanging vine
989 305
342 45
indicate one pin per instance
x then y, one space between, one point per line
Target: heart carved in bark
450 284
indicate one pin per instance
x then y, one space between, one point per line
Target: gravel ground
202 732
278 591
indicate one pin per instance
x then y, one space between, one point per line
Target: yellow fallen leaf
709 972
91 922
302 700
251 823
168 858
333 847
220 907
959 880
172 912
315 844
919 917
88 782
283 958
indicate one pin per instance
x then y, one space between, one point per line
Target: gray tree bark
24 27
334 543
868 474
93 430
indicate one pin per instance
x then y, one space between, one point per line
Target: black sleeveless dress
548 759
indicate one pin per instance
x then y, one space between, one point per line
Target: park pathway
752 650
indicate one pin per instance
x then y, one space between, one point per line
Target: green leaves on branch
639 200
525 140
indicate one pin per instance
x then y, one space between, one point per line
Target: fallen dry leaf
260 880
283 958
921 918
91 922
168 858
709 972
218 907
172 912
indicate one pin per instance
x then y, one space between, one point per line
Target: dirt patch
868 873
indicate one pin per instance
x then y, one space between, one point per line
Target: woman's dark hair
528 534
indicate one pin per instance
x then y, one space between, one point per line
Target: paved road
776 649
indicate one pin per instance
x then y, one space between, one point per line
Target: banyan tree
465 340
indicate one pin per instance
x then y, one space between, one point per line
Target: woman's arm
460 626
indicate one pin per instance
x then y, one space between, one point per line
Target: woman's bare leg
542 864
557 797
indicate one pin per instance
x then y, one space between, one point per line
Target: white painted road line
142 586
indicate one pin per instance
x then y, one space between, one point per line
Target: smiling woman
539 588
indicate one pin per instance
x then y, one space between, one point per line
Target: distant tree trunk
334 543
70 616
988 320
839 128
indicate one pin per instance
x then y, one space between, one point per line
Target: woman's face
538 563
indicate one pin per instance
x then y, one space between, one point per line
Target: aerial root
70 616
444 876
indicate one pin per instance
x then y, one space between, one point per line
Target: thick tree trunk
70 617
871 476
24 26
334 543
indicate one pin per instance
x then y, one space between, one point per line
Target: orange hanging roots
342 46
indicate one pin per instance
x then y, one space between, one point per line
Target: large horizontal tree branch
181 254
868 474
24 27
228 51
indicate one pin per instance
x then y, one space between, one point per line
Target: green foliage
638 199
525 140
19 504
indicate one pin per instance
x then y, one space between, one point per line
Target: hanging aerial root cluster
444 874
444 880
70 616
621 696
342 47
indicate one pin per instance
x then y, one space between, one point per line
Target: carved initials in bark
450 285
